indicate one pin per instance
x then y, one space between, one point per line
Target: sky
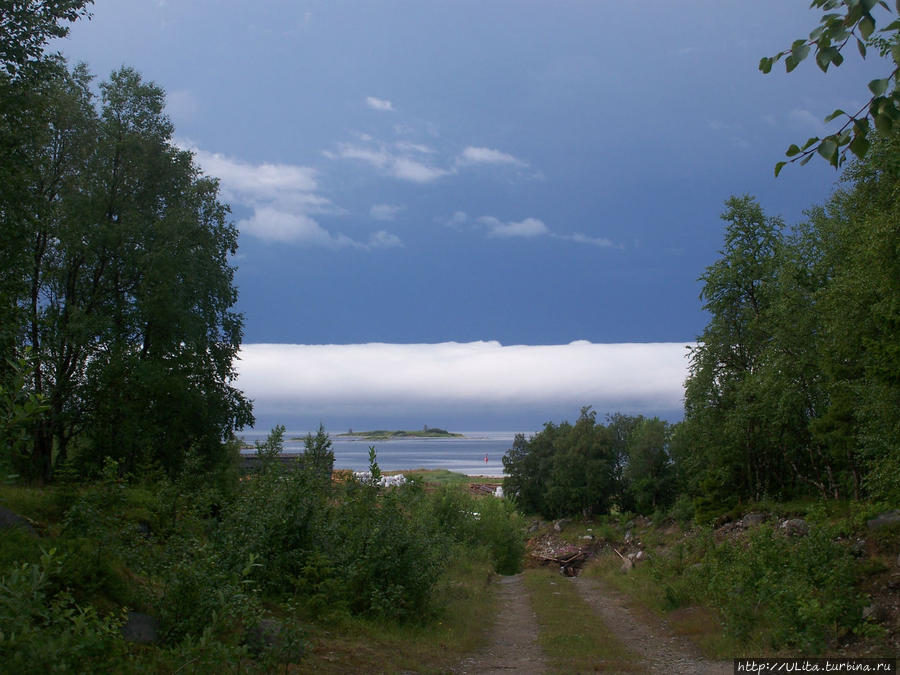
482 214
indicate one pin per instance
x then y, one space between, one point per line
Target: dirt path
513 647
660 650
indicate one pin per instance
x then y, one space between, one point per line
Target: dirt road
514 639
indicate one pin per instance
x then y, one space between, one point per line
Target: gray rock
753 519
140 628
884 519
627 566
560 524
796 527
9 519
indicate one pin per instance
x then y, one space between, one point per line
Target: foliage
20 408
42 628
317 453
27 27
125 298
854 21
588 467
792 387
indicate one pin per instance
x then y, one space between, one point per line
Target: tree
724 402
27 25
649 473
317 453
854 21
125 295
564 469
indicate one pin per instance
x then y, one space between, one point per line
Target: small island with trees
383 435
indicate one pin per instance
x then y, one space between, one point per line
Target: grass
359 645
446 477
701 625
572 638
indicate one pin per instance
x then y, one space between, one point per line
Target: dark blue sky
526 172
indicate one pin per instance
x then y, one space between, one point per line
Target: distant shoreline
385 435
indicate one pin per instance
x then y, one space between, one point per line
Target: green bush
43 629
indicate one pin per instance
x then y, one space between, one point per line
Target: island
384 435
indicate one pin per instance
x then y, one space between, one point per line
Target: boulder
560 524
10 519
795 527
753 519
884 519
627 566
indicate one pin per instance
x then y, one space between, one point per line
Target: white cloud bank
476 378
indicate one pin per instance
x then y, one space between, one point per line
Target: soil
645 634
514 647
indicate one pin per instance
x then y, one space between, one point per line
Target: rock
9 519
535 526
884 519
560 524
587 537
140 628
627 566
628 537
638 556
796 527
753 519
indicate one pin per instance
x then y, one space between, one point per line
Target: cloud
579 238
249 183
473 155
273 225
367 380
378 155
530 227
379 104
283 198
385 211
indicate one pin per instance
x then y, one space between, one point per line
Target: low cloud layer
474 380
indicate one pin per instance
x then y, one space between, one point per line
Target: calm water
463 455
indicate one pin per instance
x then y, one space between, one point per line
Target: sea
477 453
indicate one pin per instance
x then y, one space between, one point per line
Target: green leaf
859 146
895 53
884 123
809 142
861 125
837 58
823 59
878 87
779 167
806 159
837 113
800 51
765 64
861 46
828 150
790 63
866 26
793 150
